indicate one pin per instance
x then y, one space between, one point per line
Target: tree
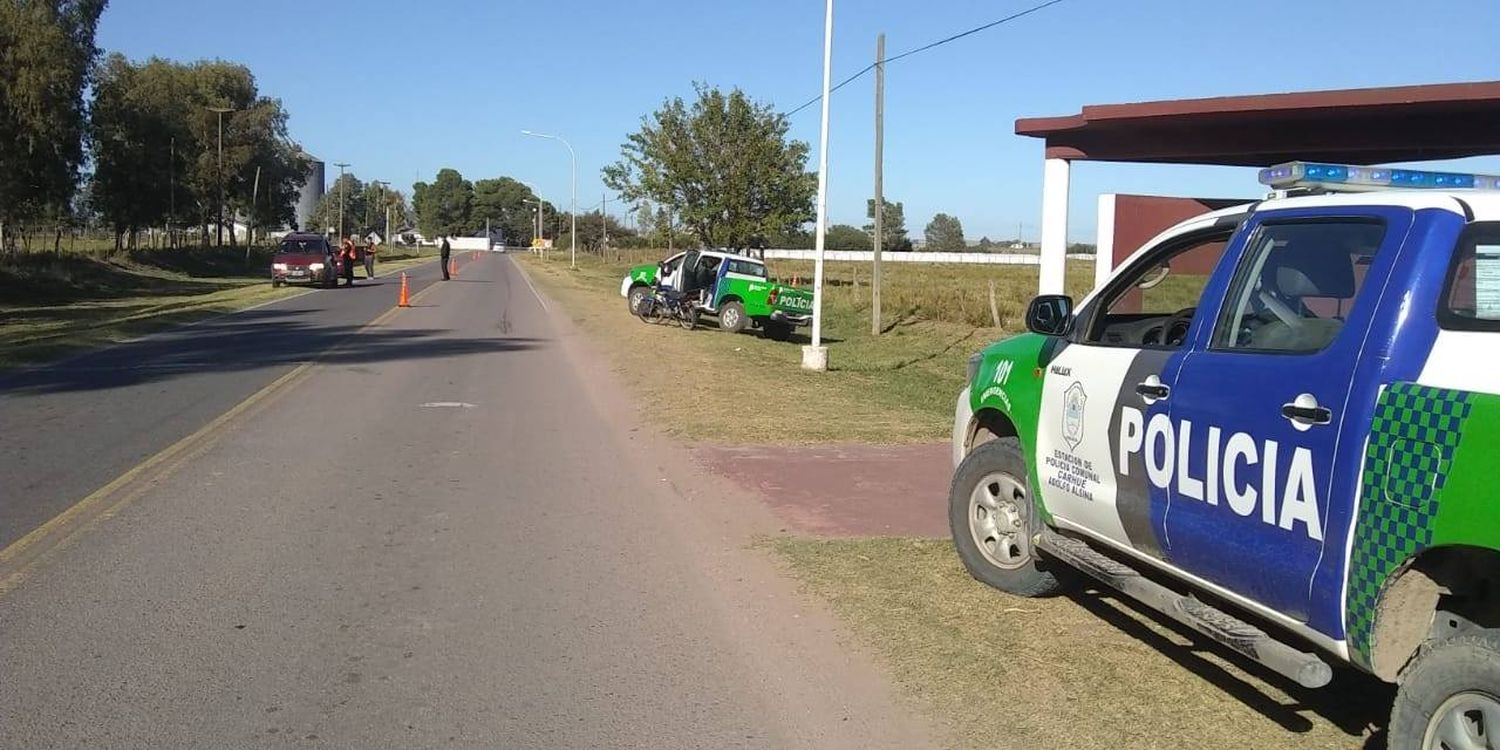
725 165
356 197
846 237
444 207
503 203
892 225
945 232
985 244
1082 248
591 232
155 146
47 53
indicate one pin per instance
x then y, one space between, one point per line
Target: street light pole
573 229
815 356
221 111
341 165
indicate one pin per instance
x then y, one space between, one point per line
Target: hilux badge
1074 400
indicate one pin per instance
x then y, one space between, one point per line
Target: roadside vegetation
895 387
1087 670
56 304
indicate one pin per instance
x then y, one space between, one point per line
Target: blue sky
401 89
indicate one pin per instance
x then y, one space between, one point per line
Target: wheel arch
988 424
1460 580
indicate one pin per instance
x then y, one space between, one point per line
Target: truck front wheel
637 294
732 317
1450 695
990 517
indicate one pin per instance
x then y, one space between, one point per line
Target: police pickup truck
1275 423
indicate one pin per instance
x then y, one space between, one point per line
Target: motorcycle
665 303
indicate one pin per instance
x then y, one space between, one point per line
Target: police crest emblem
1074 400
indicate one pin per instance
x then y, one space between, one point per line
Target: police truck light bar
1300 175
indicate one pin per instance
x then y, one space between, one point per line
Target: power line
924 48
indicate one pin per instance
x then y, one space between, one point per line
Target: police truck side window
1152 303
1472 300
1296 285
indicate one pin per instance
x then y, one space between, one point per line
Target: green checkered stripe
1407 459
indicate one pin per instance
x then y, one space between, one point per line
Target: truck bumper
625 287
785 317
962 415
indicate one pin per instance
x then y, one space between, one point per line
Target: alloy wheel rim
1466 721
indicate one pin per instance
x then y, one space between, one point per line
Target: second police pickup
736 289
1275 424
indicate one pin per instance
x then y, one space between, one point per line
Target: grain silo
310 194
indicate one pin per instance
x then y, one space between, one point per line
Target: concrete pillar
1104 243
1054 258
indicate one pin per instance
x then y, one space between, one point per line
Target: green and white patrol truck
1275 424
737 290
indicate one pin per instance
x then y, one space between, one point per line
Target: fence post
994 309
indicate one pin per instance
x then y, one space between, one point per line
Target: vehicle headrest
1313 273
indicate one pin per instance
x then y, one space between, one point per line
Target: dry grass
897 387
1067 672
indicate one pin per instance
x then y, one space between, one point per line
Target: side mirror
1050 315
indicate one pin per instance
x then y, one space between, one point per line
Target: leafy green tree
724 163
985 244
155 146
591 232
445 207
47 53
503 203
356 198
846 237
892 225
945 232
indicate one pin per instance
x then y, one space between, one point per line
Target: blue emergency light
1295 175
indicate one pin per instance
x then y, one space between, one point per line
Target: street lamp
536 219
221 111
573 230
341 165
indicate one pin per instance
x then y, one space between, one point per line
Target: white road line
527 278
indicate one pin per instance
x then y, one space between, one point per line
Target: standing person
370 259
349 255
445 251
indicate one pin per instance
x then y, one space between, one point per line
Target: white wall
866 256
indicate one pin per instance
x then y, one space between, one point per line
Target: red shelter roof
1354 126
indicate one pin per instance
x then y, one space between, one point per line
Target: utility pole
815 355
250 230
172 191
603 222
220 170
341 165
879 187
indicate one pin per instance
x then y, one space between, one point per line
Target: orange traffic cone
405 298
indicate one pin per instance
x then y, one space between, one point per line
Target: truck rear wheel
777 330
732 317
1450 695
990 518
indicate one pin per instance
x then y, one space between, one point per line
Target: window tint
1152 303
1296 284
746 267
1472 299
303 246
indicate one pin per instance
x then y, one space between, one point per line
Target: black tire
275 283
633 299
1026 576
689 318
1462 668
732 317
777 330
649 310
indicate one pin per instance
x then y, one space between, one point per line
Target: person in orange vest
347 257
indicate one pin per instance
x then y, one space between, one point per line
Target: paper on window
1487 282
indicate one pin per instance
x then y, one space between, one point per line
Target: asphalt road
440 535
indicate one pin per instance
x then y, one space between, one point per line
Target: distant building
311 193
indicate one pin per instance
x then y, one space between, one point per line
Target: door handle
1304 412
1153 391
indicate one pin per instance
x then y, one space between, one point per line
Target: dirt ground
848 489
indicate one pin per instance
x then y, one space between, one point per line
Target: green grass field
895 387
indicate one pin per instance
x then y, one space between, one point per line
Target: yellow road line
17 558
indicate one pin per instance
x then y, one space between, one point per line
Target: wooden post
994 309
879 238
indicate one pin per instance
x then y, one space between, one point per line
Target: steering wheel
1182 319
